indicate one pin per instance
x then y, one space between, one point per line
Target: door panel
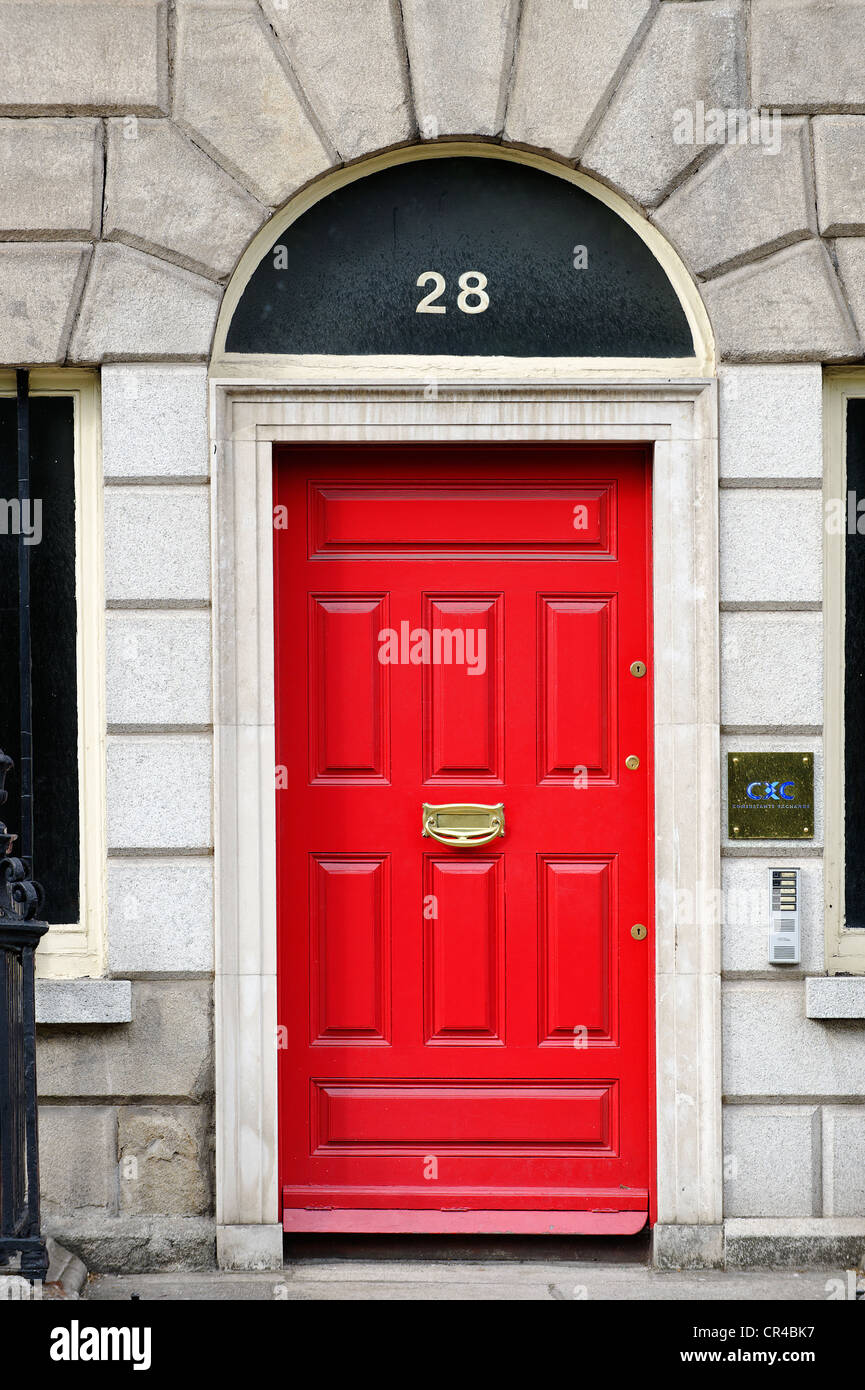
463 1029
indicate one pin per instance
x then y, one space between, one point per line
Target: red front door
464 1031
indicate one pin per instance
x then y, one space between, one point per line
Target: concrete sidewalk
439 1281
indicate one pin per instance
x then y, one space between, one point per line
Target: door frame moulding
679 418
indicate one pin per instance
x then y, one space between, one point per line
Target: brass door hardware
464 826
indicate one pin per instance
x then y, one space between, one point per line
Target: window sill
832 996
83 1001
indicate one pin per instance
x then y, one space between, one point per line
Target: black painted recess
349 283
854 672
53 611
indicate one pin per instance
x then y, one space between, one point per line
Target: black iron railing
20 904
20 900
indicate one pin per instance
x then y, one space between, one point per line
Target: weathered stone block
807 54
772 1160
257 125
693 53
51 180
839 168
771 422
788 307
771 1049
756 689
850 254
158 668
249 1247
687 1246
843 1160
165 1160
104 56
166 1051
77 1158
350 60
135 1244
746 198
154 421
460 61
41 289
164 194
157 544
798 1242
756 526
160 917
159 792
137 307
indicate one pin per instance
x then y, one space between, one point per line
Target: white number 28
472 298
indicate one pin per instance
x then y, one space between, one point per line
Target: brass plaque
770 796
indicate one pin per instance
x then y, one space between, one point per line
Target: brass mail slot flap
464 825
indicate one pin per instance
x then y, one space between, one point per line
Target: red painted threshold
500 1223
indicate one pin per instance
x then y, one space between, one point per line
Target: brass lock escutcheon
464 826
639 932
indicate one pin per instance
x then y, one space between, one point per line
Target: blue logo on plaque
772 791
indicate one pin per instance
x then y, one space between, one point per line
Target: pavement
335 1280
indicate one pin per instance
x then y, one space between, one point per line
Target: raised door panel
463 689
576 945
350 941
464 950
577 694
348 688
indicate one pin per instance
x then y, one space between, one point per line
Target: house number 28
472 298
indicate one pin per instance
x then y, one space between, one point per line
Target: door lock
638 668
632 762
639 932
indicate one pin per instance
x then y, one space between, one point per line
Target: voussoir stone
569 58
103 56
787 307
137 307
850 255
162 193
50 177
236 97
745 198
460 60
41 290
839 167
691 63
808 53
350 62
